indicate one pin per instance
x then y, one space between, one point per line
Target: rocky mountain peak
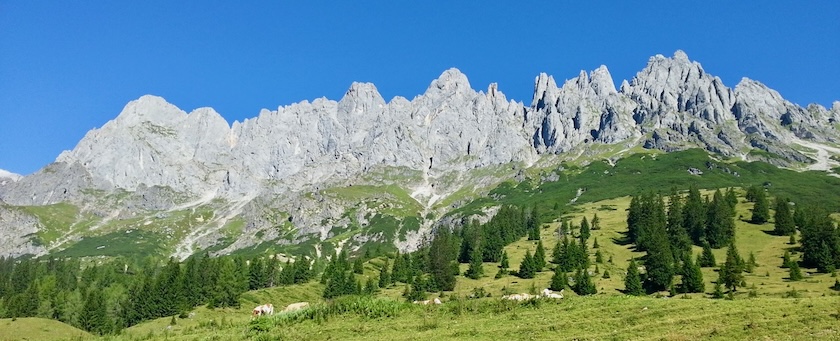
149 108
545 91
450 81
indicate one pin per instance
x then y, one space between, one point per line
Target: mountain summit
163 159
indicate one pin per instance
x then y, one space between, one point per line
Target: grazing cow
518 297
295 306
546 293
427 302
265 309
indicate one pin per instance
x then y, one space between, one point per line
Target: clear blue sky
69 66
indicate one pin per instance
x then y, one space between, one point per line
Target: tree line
106 297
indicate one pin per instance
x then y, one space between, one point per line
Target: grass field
33 328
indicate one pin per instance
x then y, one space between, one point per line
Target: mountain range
328 173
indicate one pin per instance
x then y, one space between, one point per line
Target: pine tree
539 257
599 258
595 244
836 286
559 281
504 264
718 292
533 224
731 198
692 276
659 263
795 272
583 283
677 234
584 230
226 292
527 269
820 241
633 282
384 276
784 225
751 263
606 274
707 258
476 269
370 287
358 266
256 274
720 223
94 315
442 262
792 239
731 273
694 215
761 209
596 223
786 260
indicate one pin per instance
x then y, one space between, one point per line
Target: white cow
295 306
427 302
265 309
518 297
546 293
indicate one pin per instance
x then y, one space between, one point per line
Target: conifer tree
595 244
731 198
694 215
720 224
718 291
539 257
707 258
659 263
583 283
792 239
476 269
557 252
504 264
384 276
761 209
751 263
533 224
795 272
358 266
370 287
606 274
784 225
443 253
731 273
677 234
633 281
527 269
94 316
584 230
596 223
559 281
256 274
599 258
692 276
786 260
226 292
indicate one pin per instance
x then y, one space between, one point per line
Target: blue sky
69 66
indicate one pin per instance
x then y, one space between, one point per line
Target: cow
295 306
265 309
547 293
427 302
518 297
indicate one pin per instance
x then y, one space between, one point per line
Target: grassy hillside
33 328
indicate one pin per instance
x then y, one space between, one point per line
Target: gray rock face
16 229
166 158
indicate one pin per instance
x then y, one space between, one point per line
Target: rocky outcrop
16 231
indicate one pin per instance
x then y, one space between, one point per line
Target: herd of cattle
268 309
